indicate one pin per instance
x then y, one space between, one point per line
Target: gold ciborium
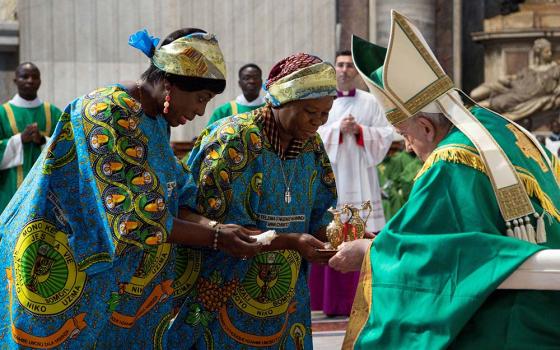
353 228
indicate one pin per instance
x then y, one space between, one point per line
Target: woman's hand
350 255
307 246
237 241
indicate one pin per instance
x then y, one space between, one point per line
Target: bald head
27 80
26 66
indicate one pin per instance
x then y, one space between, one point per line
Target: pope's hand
350 255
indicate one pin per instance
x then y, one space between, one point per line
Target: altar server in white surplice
357 137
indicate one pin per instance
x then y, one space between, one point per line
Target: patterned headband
194 55
315 81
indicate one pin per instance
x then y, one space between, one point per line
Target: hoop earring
166 103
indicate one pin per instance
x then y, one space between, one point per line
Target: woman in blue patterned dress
265 169
86 241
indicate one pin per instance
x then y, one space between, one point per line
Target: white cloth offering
266 237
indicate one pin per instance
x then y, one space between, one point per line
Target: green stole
13 120
430 278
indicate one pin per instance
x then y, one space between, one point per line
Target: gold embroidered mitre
407 79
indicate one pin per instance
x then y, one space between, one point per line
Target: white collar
243 101
19 101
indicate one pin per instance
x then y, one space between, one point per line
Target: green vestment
396 175
13 120
230 108
430 279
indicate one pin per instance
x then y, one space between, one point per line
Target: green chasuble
13 120
430 279
230 108
396 175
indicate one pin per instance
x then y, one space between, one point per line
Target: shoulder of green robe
55 111
536 185
221 111
555 166
411 169
5 130
398 162
517 146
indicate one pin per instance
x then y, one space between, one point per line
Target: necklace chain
287 183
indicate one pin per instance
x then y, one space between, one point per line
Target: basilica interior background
80 45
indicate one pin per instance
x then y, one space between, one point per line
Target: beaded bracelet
216 234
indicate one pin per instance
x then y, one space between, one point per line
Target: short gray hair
438 119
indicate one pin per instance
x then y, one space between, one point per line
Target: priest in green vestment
396 174
486 199
26 122
250 82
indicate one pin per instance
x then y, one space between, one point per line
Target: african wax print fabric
83 240
261 302
194 55
289 65
430 279
299 77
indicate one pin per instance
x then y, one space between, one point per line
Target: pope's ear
428 127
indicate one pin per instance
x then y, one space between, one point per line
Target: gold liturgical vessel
353 228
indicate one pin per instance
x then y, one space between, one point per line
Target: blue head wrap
143 42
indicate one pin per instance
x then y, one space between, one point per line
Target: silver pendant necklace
287 183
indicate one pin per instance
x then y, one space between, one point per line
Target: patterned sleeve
132 199
188 193
219 177
326 191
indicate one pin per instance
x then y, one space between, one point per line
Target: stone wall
8 48
82 44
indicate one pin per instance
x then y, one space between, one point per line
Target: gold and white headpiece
406 79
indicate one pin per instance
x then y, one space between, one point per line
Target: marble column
421 12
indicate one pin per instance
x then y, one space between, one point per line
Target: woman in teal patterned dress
265 169
86 241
